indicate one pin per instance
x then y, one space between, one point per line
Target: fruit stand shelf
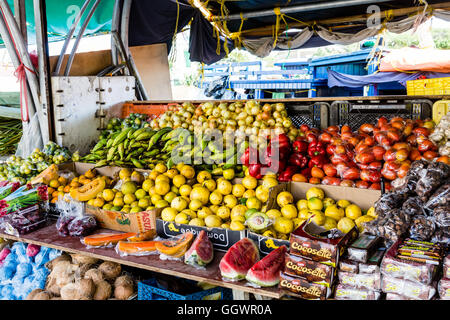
49 237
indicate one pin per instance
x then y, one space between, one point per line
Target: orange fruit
317 173
314 180
299 178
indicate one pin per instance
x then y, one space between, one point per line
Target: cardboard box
361 197
222 239
115 220
121 221
305 242
303 289
309 270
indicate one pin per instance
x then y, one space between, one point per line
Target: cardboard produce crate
362 197
115 220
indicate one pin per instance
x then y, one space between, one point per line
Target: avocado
258 222
250 212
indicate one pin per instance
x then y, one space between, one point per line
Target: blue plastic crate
148 290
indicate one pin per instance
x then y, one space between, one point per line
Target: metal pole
69 37
115 28
131 66
40 19
35 141
299 8
124 24
25 58
20 16
79 36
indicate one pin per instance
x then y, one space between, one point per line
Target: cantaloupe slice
88 191
103 239
49 174
175 247
136 247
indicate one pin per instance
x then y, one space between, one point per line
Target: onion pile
441 135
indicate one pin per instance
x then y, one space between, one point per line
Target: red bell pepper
287 174
255 171
317 161
316 148
300 146
249 156
297 159
306 172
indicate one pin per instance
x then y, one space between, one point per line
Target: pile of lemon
323 211
203 200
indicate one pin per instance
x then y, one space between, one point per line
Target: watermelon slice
238 259
201 251
266 272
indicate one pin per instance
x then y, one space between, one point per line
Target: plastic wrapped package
441 168
389 201
444 289
4 253
8 293
24 220
413 206
409 270
442 216
360 281
20 250
417 167
390 225
23 270
422 228
348 293
446 267
12 257
429 181
143 248
442 236
408 288
349 266
72 221
105 240
406 185
6 273
368 268
441 197
53 254
43 256
32 250
394 296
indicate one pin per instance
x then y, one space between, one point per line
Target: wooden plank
305 100
85 63
48 237
153 66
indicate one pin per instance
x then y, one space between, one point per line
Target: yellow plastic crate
440 109
437 86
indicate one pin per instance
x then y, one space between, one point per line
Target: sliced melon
177 246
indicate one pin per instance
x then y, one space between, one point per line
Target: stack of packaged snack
444 283
312 261
410 269
359 276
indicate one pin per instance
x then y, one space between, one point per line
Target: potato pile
79 277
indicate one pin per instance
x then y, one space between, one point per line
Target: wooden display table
48 237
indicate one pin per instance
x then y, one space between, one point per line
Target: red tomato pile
338 156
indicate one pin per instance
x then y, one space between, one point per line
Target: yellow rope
277 12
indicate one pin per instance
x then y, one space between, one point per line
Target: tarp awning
414 59
337 79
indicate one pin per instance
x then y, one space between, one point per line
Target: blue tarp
336 79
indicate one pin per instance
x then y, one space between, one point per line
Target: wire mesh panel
357 113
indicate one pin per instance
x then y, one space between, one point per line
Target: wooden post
40 18
21 18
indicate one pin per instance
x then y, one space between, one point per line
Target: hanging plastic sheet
336 79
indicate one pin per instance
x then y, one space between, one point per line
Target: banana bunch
144 148
130 147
